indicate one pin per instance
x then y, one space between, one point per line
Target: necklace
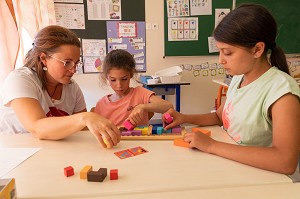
51 96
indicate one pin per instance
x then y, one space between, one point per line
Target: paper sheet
12 157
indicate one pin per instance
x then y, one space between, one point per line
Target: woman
41 97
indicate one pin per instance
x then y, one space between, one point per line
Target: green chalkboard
206 24
286 13
132 10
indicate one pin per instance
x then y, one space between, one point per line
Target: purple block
126 133
176 130
136 132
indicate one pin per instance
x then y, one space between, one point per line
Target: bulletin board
206 25
131 36
287 17
132 10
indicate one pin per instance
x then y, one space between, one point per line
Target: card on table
130 152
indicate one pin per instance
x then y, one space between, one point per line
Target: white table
270 191
165 168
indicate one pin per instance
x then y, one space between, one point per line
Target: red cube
114 174
69 171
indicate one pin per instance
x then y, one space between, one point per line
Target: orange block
84 171
181 142
206 132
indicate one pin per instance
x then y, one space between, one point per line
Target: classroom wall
195 98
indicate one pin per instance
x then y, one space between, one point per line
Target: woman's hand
103 129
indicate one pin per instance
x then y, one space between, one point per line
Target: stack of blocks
92 176
144 130
130 130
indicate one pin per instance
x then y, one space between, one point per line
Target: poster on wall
129 36
183 29
104 9
93 52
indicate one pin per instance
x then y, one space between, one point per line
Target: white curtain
16 37
31 16
9 41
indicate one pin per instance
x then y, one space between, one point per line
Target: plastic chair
221 93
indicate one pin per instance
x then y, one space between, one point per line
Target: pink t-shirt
119 111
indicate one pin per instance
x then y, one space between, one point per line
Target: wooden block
153 134
136 132
169 131
168 117
197 129
84 171
114 174
126 133
128 125
69 171
122 129
154 130
94 176
145 131
97 176
160 130
176 130
103 173
181 142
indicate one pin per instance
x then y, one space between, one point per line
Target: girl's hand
136 115
103 129
177 119
200 141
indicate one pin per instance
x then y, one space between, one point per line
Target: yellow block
144 130
84 171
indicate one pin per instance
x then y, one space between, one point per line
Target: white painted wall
195 98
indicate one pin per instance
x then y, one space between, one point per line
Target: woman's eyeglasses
69 64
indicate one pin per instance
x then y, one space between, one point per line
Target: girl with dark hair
262 110
126 103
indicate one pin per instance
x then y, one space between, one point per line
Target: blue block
160 130
169 131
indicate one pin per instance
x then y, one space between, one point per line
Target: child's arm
156 105
281 157
208 119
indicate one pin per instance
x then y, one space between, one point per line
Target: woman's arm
34 120
281 157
